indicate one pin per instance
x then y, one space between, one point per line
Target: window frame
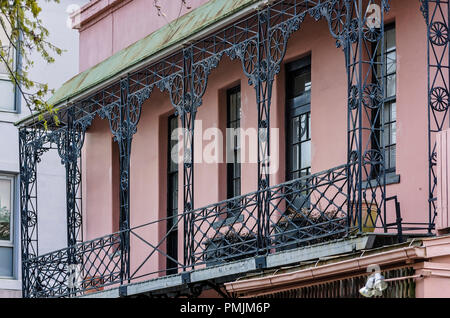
172 237
391 100
231 178
297 106
10 242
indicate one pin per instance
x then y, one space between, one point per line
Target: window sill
228 221
391 178
10 284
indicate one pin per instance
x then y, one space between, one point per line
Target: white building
51 173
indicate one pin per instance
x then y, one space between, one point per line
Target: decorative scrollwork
353 97
353 157
353 30
31 218
78 220
135 106
199 79
277 45
433 157
250 57
232 53
114 118
372 96
336 15
424 9
124 180
372 34
373 157
135 102
316 13
176 89
439 33
78 138
439 99
75 177
62 145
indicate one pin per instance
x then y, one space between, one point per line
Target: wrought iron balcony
317 208
301 212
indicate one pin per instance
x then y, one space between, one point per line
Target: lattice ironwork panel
309 210
85 267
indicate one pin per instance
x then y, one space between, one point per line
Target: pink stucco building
341 153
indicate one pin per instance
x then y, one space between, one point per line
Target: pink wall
412 150
435 271
108 22
329 122
98 185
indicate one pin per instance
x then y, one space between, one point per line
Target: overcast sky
54 17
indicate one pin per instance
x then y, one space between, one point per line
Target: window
172 196
233 142
298 128
389 120
298 119
6 86
6 225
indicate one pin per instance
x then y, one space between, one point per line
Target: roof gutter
158 56
401 255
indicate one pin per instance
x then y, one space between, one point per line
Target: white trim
10 284
10 243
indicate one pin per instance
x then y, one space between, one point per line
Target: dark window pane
298 141
295 130
295 158
300 82
233 145
172 200
389 37
387 124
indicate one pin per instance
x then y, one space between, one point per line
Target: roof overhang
199 23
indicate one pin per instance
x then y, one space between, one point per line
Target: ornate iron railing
273 218
304 211
309 210
83 268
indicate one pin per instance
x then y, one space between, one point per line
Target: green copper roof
170 34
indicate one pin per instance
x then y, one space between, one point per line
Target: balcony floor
228 272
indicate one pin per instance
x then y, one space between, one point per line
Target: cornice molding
94 11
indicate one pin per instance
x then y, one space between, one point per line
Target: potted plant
296 228
228 247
